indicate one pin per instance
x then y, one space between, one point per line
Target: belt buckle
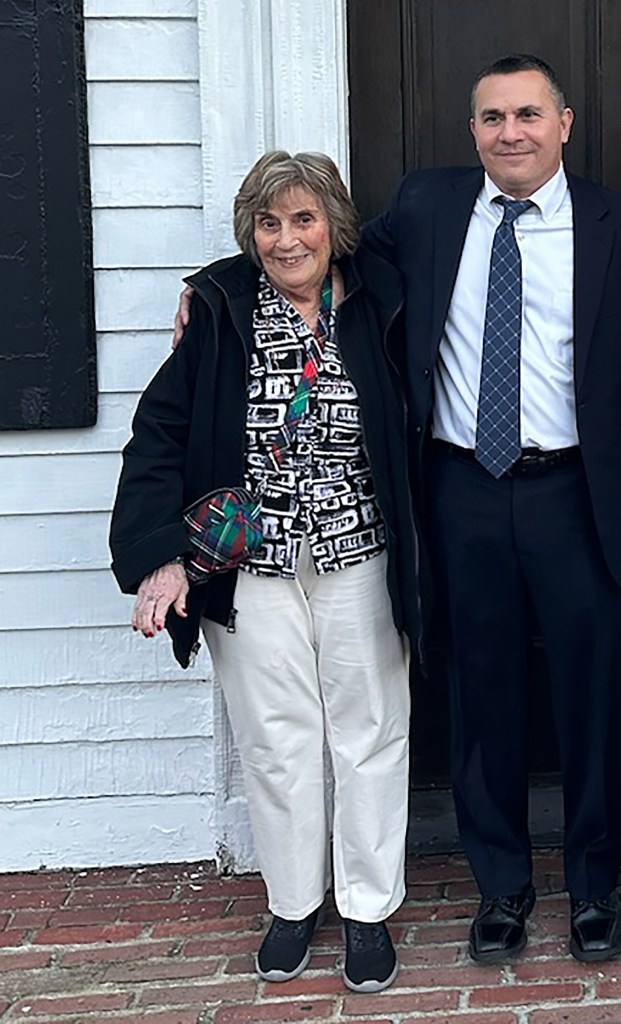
533 463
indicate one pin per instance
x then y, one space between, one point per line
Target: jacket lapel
593 239
452 217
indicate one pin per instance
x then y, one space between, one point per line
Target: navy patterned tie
498 418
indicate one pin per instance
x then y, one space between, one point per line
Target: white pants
312 659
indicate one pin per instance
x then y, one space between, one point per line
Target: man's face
519 131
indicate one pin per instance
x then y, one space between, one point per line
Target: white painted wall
109 752
106 744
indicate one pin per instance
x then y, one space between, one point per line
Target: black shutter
47 330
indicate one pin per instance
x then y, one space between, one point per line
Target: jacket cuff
132 564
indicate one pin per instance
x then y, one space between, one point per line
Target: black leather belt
532 461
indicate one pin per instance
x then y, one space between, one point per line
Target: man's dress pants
501 546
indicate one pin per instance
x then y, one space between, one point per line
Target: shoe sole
497 956
590 958
372 985
284 975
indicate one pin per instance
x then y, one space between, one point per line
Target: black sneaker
370 959
284 952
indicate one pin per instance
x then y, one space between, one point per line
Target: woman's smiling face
293 242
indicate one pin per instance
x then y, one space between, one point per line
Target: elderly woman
309 637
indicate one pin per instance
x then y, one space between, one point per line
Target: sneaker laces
289 929
366 937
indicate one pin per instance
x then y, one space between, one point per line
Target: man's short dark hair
521 62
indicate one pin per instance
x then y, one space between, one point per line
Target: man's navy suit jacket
423 234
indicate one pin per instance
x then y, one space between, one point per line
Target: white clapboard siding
148 237
109 434
149 49
131 112
159 767
86 597
131 299
140 8
155 175
106 743
88 656
58 483
106 712
126 360
107 831
54 542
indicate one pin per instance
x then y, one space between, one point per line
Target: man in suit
513 278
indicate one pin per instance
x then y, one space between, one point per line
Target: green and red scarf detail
299 403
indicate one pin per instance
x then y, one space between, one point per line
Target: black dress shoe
498 931
596 928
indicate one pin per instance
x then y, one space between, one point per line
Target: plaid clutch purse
224 528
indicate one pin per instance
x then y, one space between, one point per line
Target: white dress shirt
544 234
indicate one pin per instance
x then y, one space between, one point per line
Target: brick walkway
174 945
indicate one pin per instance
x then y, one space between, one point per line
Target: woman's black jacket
189 433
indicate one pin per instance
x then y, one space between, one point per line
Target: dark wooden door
411 64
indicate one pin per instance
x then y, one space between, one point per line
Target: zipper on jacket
195 648
227 300
230 626
404 406
419 638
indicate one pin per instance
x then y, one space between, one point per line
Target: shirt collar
548 198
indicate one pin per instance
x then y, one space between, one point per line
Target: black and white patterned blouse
324 487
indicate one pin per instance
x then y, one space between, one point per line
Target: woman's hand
162 588
182 316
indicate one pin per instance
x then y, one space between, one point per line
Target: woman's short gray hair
277 171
